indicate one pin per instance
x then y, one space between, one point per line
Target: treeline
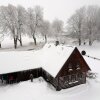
84 24
18 21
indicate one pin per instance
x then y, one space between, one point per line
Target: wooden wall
73 71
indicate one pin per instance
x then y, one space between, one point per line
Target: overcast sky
61 9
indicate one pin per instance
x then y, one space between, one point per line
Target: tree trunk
34 40
45 39
21 40
15 43
90 42
0 45
79 41
80 36
90 38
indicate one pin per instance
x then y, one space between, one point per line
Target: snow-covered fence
84 53
92 57
91 75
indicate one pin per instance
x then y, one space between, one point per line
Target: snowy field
28 43
40 90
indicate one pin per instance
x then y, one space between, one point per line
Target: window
69 78
73 78
77 66
70 67
80 76
66 79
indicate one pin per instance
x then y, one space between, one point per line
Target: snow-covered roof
50 57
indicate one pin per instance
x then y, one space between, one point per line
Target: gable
74 64
55 58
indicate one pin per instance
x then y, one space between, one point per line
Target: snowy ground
40 90
28 44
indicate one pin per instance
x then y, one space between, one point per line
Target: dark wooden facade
72 73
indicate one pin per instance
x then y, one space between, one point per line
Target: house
62 66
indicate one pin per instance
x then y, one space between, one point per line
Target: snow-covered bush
41 79
91 75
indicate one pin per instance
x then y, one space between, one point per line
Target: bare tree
31 20
91 22
76 23
45 29
97 36
14 20
21 23
57 26
3 29
1 38
34 21
9 21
